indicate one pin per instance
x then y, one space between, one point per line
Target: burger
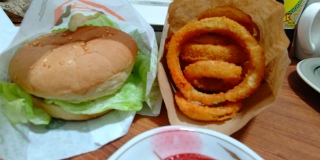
74 75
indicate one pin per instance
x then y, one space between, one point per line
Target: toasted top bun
75 66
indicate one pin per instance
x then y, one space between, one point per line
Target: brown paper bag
268 16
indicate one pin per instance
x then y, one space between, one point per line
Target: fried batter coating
200 112
213 39
219 76
199 52
212 69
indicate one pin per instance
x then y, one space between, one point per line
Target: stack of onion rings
240 77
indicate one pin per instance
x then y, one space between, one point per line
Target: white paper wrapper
8 30
64 139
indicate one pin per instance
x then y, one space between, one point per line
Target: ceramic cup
307 43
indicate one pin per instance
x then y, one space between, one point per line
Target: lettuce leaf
101 20
98 19
17 106
142 65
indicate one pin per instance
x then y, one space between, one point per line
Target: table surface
287 129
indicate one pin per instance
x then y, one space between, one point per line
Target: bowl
183 142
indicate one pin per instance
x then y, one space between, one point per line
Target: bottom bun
57 112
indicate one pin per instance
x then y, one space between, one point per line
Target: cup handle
305 24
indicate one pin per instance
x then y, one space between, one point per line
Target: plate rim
161 129
305 68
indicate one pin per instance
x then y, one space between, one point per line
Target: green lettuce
98 19
18 108
142 66
17 105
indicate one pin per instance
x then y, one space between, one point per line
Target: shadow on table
239 134
304 91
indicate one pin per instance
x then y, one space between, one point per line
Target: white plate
309 71
163 142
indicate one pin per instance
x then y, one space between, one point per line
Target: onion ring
229 12
234 14
213 39
212 69
213 85
206 113
215 70
234 30
199 52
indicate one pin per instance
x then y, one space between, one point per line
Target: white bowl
167 141
309 71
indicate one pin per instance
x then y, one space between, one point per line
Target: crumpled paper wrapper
267 14
62 139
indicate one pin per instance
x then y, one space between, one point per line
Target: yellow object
293 9
290 4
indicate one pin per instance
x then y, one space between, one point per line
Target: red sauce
188 156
